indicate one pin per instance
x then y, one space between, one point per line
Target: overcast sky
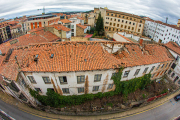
155 9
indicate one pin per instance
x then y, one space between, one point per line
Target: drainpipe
155 31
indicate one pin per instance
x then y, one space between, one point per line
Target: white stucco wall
119 38
68 34
72 81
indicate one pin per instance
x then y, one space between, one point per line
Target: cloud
155 9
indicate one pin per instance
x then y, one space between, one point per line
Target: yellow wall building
121 21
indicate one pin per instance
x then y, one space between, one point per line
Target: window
97 77
140 21
145 70
111 14
172 75
31 78
152 68
169 72
118 20
140 25
72 34
63 79
162 66
111 19
158 67
126 73
110 86
152 75
113 74
176 79
173 66
72 30
117 25
126 21
38 89
23 83
121 26
137 71
133 23
46 80
95 88
166 65
65 90
114 19
132 28
80 90
80 79
129 22
114 24
122 21
129 27
138 30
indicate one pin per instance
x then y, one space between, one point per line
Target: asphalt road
168 111
16 113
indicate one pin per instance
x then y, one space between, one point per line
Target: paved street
167 111
16 113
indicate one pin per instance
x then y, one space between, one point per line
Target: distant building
40 21
117 21
5 32
161 32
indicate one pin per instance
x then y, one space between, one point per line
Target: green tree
99 25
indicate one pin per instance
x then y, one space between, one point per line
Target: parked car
177 97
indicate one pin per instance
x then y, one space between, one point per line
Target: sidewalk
10 100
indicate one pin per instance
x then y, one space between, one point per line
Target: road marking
37 115
139 112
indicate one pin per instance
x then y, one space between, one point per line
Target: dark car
177 97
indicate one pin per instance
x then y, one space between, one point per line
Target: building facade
76 68
161 32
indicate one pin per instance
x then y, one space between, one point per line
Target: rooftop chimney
141 41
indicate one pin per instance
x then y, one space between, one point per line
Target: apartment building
174 71
76 68
118 21
5 32
161 32
40 21
59 30
178 24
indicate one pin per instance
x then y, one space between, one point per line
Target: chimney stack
141 41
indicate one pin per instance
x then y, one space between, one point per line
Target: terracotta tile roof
159 22
68 56
3 24
17 26
13 22
133 55
131 15
82 26
80 18
81 56
38 37
89 36
36 29
87 25
173 46
60 27
65 21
